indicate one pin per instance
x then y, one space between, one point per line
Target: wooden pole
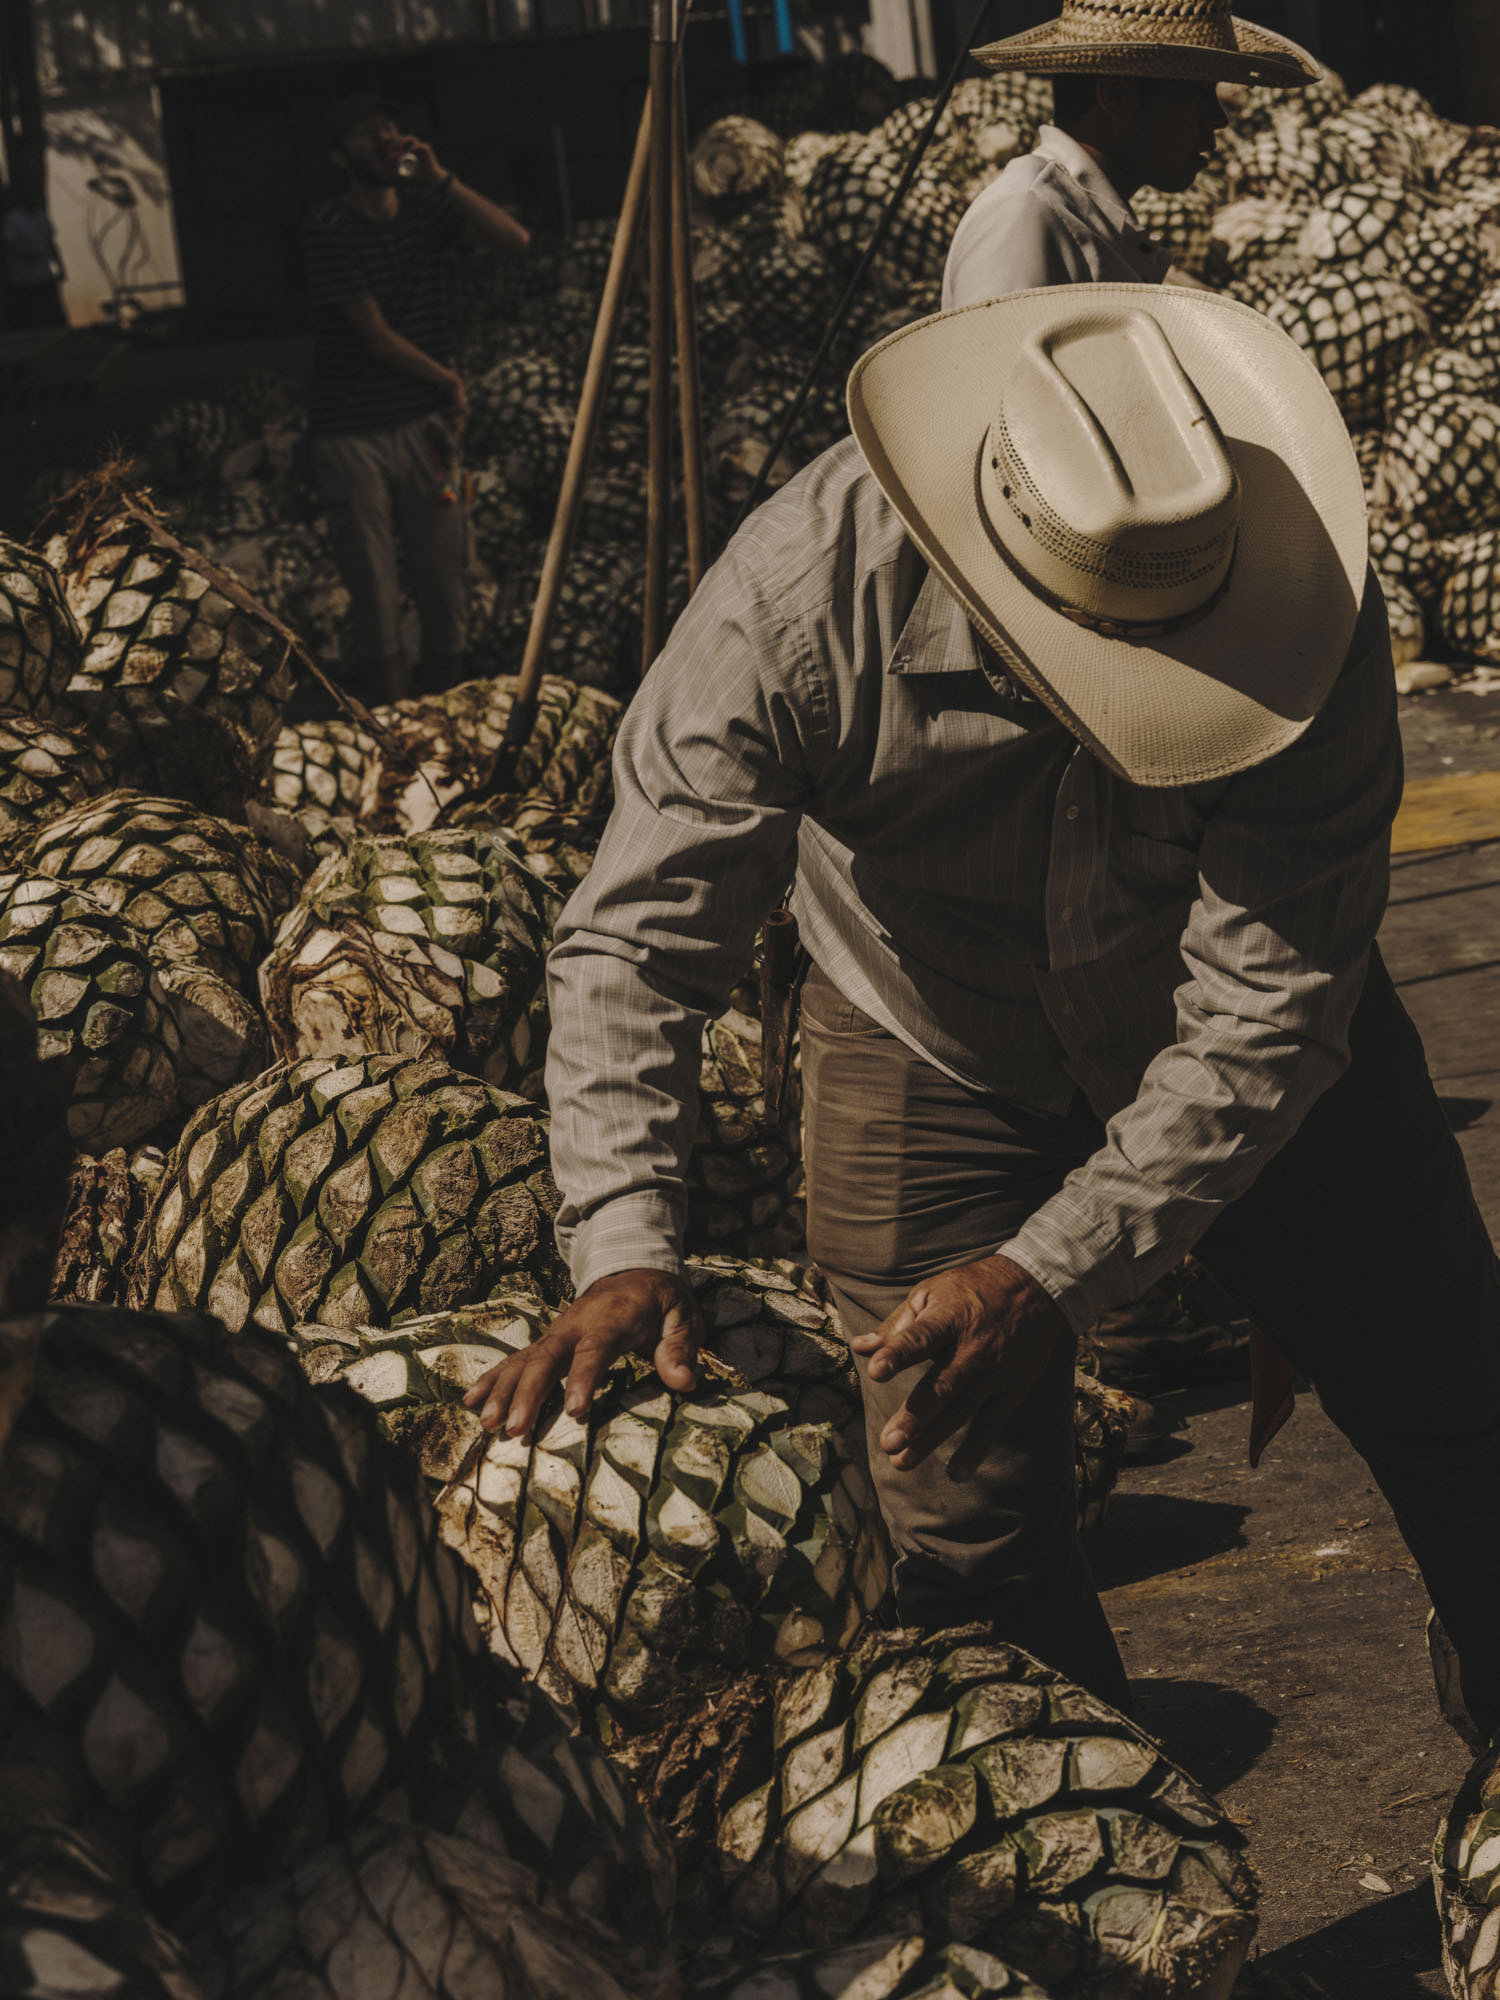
695 500
523 706
659 458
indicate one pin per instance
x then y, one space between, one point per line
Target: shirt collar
1080 165
937 638
1120 219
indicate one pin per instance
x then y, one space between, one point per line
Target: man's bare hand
632 1312
426 171
988 1329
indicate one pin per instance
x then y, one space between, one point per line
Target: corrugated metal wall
84 42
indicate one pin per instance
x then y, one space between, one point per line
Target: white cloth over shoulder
1052 218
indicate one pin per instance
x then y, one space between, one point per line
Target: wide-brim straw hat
1269 565
1197 39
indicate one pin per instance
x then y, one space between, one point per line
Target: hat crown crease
1105 477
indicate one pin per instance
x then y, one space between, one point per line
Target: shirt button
1068 1007
1072 812
1067 913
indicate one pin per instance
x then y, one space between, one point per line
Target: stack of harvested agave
1367 227
309 1687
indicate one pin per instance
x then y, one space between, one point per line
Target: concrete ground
1271 1621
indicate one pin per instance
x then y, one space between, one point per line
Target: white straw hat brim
1055 48
1240 683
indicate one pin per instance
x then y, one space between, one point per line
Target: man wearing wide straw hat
1135 105
1063 686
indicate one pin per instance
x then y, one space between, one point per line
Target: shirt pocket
1160 865
1159 836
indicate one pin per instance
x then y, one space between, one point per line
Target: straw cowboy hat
1186 38
1144 498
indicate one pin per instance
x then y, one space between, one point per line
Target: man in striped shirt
387 405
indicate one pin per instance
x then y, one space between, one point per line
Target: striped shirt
402 266
973 879
1053 217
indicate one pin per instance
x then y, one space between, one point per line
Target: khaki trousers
1359 1252
383 492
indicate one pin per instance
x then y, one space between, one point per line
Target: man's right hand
457 397
631 1312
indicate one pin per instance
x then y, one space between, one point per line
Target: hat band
1167 569
1115 628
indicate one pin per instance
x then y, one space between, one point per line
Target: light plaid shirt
974 880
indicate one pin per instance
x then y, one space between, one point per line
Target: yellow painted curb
1447 812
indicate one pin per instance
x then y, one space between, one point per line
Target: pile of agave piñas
310 1687
1368 227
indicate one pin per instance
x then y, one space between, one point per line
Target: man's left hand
427 172
988 1329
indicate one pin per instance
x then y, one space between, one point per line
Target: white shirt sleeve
1012 244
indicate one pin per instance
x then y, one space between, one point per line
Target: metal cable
841 311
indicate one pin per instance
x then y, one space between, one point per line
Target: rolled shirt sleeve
711 768
1293 878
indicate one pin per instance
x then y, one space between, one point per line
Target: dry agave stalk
165 629
108 1198
449 748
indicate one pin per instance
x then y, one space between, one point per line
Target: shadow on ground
1152 1534
1217 1733
1377 1953
1462 1112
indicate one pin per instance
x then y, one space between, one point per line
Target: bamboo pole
659 457
522 717
695 501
